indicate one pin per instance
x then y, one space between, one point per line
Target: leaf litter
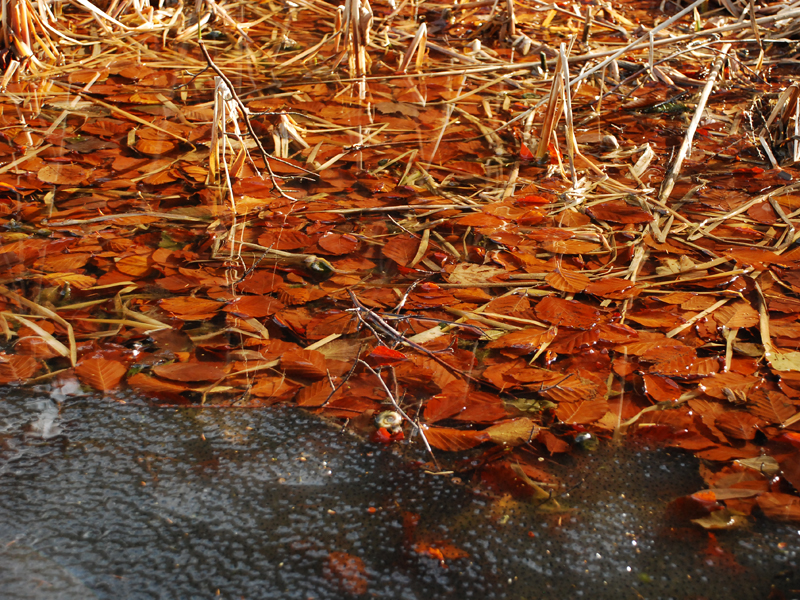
511 244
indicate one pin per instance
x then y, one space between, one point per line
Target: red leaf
100 373
738 424
582 413
453 440
382 356
336 243
254 306
618 211
661 389
17 368
192 371
306 364
567 313
401 249
191 309
781 507
525 340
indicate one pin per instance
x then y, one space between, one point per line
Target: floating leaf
306 364
191 371
738 424
452 440
191 309
18 368
513 433
567 313
778 506
101 373
618 211
382 356
582 412
63 174
567 281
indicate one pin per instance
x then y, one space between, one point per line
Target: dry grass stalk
675 168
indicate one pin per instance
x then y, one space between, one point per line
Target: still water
105 499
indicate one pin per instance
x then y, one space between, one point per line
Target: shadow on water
101 499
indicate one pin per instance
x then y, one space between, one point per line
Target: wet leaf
566 313
191 371
100 373
567 281
778 506
513 433
452 440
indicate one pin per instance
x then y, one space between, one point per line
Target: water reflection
110 500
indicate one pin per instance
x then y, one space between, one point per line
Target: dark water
100 499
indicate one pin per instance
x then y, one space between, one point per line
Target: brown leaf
773 407
513 433
63 174
582 412
613 288
566 313
306 364
191 371
569 246
737 314
452 440
687 367
337 243
660 388
101 373
524 340
318 393
191 309
781 507
571 282
17 368
618 211
253 306
738 424
401 249
261 282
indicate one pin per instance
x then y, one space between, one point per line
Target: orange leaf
513 433
100 373
401 249
738 424
660 388
566 313
453 440
192 371
336 243
525 340
382 356
569 246
781 507
190 309
307 364
618 211
151 385
136 266
253 306
318 393
571 282
17 368
773 407
583 412
63 174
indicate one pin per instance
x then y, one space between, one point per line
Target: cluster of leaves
429 264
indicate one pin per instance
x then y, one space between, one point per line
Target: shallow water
100 499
